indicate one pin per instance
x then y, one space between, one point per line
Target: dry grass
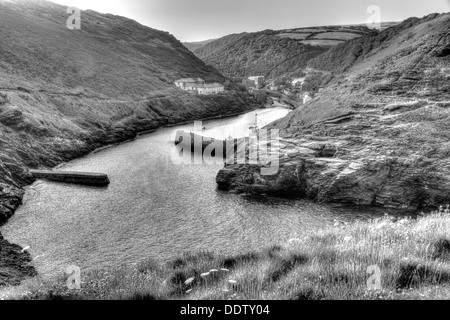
413 255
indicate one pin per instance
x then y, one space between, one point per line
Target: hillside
64 92
378 133
274 54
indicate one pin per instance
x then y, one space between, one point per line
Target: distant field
295 36
336 35
323 43
324 36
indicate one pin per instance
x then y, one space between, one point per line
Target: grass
412 254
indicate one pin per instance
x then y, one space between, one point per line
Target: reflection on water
155 208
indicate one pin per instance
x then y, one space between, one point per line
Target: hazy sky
194 20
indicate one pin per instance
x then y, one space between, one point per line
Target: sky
196 20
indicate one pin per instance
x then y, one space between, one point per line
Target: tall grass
413 255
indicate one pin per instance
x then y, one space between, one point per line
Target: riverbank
413 257
45 152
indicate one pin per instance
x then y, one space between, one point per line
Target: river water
156 208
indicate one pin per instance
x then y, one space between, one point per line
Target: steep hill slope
378 134
263 53
39 50
281 53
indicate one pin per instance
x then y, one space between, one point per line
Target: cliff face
378 134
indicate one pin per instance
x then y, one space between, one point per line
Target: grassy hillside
110 55
274 54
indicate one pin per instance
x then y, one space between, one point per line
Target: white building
210 88
298 80
189 83
306 98
259 81
198 86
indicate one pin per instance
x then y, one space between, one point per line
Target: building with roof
210 88
307 97
259 81
199 86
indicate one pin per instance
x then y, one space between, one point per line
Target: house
189 83
249 83
307 97
259 81
199 86
298 81
274 88
210 88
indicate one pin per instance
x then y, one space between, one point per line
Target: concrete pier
85 178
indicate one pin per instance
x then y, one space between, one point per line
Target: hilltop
273 53
192 46
64 93
378 133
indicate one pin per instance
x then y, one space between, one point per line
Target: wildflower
189 281
232 281
226 270
380 226
347 239
213 270
205 274
189 291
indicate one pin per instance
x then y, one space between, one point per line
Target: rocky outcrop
11 116
377 135
309 170
14 264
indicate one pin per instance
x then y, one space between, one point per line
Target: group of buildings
254 84
199 86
